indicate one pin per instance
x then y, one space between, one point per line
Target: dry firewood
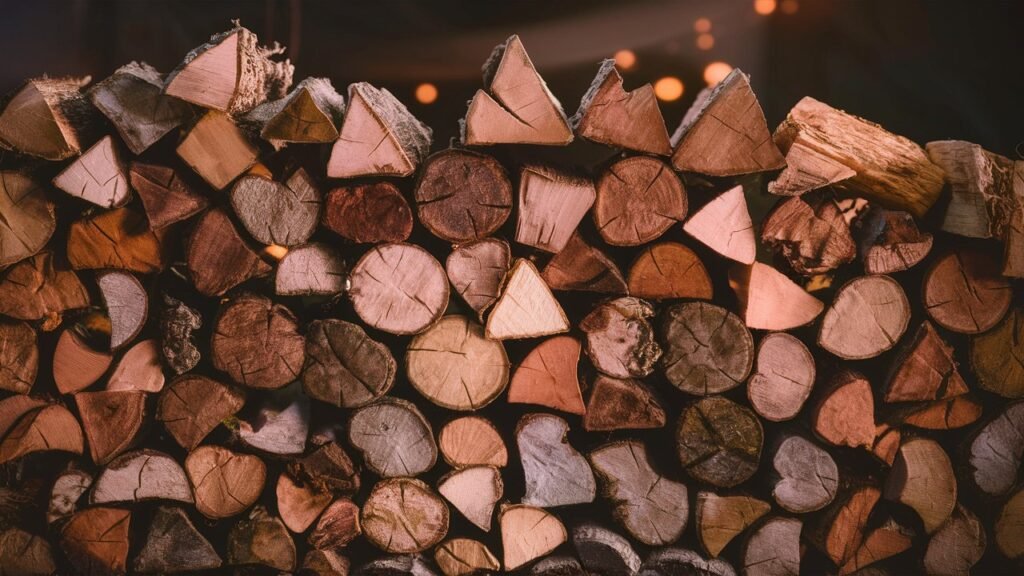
841 530
261 539
922 478
173 544
67 490
887 443
956 547
580 266
611 116
526 307
19 357
400 299
547 376
889 241
774 548
216 149
806 168
602 551
473 491
47 428
551 205
981 183
810 233
455 350
462 556
683 562
724 225
556 474
667 271
96 540
472 441
328 468
280 425
719 441
1008 534
638 199
463 195
721 518
783 377
994 354
337 526
309 114
35 288
368 213
808 476
944 414
620 340
138 369
867 317
651 507
13 407
404 516
26 217
845 413
257 343
25 554
477 270
118 239
557 566
285 214
397 565
891 170
166 197
177 322
141 475
708 350
76 365
191 406
48 118
407 449
310 270
299 504
379 136
995 453
771 301
97 176
112 421
344 366
127 305
519 109
925 370
527 533
964 291
1013 239
224 483
324 563
622 404
885 541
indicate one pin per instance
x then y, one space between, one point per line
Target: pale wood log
224 483
47 428
309 114
724 225
922 478
368 213
808 476
845 413
166 196
27 218
462 556
117 239
667 271
280 424
25 554
622 404
328 468
96 540
604 552
925 369
344 366
719 442
138 369
48 118
67 490
127 305
112 421
407 448
551 205
279 213
462 195
177 345
217 149
771 301
774 548
257 343
173 544
807 168
620 340
890 241
944 414
638 199
580 266
472 441
964 291
956 547
708 350
1009 527
299 504
720 519
547 376
680 561
191 406
994 356
527 533
398 288
404 516
526 307
610 115
1013 240
36 288
261 539
868 315
338 525
556 474
19 357
783 377
76 365
810 233
141 475
473 491
477 270
97 176
310 270
995 453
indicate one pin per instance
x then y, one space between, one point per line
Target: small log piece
771 301
473 491
19 357
299 504
724 225
26 554
622 404
547 376
956 547
257 343
47 428
708 350
218 257
368 213
527 533
118 239
721 518
404 516
76 366
280 424
191 406
166 196
67 490
141 475
995 453
845 413
325 563
127 305
344 366
620 340
783 377
925 370
551 205
36 288
261 539
774 548
981 184
309 114
965 292
889 241
602 551
338 526
173 544
462 556
472 441
580 266
399 299
868 316
328 468
556 474
883 542
462 195
96 540
285 213
48 118
225 483
810 233
138 369
922 478
719 441
638 199
610 115
177 345
97 176
1009 535
671 561
668 271
310 270
808 476
994 353
217 149
112 421
393 437
28 219
477 270
806 168
526 307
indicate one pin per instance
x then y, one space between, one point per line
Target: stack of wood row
251 327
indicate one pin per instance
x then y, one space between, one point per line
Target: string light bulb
702 25
764 7
705 41
668 89
625 59
426 93
715 72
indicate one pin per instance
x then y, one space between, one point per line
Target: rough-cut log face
173 544
26 217
344 366
611 116
394 438
580 266
668 271
24 553
217 150
964 292
995 454
12 408
890 241
285 214
310 270
638 199
719 441
326 563
398 288
724 225
261 539
477 270
327 468
527 533
1008 527
218 257
111 421
473 491
309 114
622 404
845 414
96 540
19 357
338 526
556 474
620 340
281 422
35 288
526 307
547 376
76 366
806 168
808 476
127 306
166 197
461 556
994 356
368 213
981 201
783 377
192 406
462 195
957 546
257 343
602 551
118 239
551 205
41 429
47 118
67 490
922 478
721 518
672 560
225 483
774 549
177 346
868 316
97 176
925 370
810 233
404 516
142 475
771 301
708 350
299 504
472 441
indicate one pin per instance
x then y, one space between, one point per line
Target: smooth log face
96 540
625 404
26 217
97 176
138 369
404 516
956 547
994 356
551 205
1009 528
477 270
964 292
166 197
995 453
771 301
925 370
945 414
394 438
111 421
192 406
47 428
808 476
719 441
216 149
328 468
398 288
309 114
261 539
127 306
602 551
344 366
783 377
280 424
620 340
845 414
810 233
35 288
13 407
177 345
774 549
672 561
668 271
638 199
257 343
889 241
67 490
556 474
526 307
338 526
652 508
310 270
580 266
868 316
724 225
721 518
218 257
173 544
527 533
462 195
225 483
473 491
19 357
462 556
132 99
76 365
285 214
299 504
45 118
708 350
472 441
807 169
610 115
118 239
24 553
141 475
368 213
548 376
922 478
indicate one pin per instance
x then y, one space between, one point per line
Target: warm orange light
764 7
276 252
705 41
702 25
668 88
789 6
426 93
715 72
625 59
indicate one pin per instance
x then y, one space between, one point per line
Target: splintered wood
250 325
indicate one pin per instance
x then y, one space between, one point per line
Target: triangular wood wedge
309 114
473 491
166 197
722 518
580 266
97 176
609 115
845 414
472 441
27 218
724 225
50 428
925 370
547 376
806 169
45 118
551 205
528 533
174 545
111 421
667 271
462 557
217 149
770 300
622 404
526 308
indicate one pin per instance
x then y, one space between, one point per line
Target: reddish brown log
96 540
47 428
925 370
218 257
580 266
626 404
368 213
462 195
708 350
36 288
338 526
845 414
19 357
548 376
299 504
166 197
328 468
610 115
192 406
668 271
477 270
225 483
257 343
964 291
111 421
118 239
638 199
890 241
76 366
810 233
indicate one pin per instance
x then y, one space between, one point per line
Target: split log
404 516
845 414
397 565
324 563
721 518
97 176
890 241
338 526
925 370
783 377
280 425
719 441
344 366
19 357
141 475
808 476
667 271
810 233
527 533
257 343
580 266
35 288
404 299
118 239
547 376
620 340
1009 535
771 301
551 205
49 428
472 441
112 421
462 556
25 554
173 544
868 315
1013 241
526 307
557 565
67 490
299 504
964 291
225 483
556 474
887 443
519 109
945 414
922 478
275 213
638 199
841 530
680 561
994 354
328 468
774 548
379 136
166 197
177 346
28 219
995 454
602 551
217 150
309 114
310 270
708 350
455 350
368 213
610 115
981 202
191 406
625 404
892 170
477 270
956 547
13 407
262 540
127 305
48 118
724 225
96 540
138 369
651 507
885 541
462 195
806 168
473 491
393 437
76 366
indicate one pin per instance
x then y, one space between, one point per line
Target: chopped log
981 184
67 490
580 266
368 213
774 548
25 554
887 443
721 518
922 478
680 561
806 168
463 195
620 340
310 270
225 483
526 307
285 214
556 474
13 407
76 366
173 544
217 150
35 288
994 354
141 475
138 369
724 225
257 343
127 305
956 547
651 507
404 516
397 565
406 449
177 322
404 299
97 176
611 116
964 291
845 414
166 197
462 556
719 441
19 357
324 563
708 350
1008 534
945 414
925 369
49 428
309 114
527 533
96 540
771 301
344 366
890 241
338 526
808 476
191 406
455 350
379 136
557 565
551 205
602 551
994 455
1013 240
622 404
841 529
261 539
892 171
547 376
48 118
885 541
810 233
472 441
112 421
473 491
783 377
26 217
477 270
328 468
299 504
867 317
118 239
667 271
519 109
280 425
638 199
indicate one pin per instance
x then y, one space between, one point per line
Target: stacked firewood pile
252 326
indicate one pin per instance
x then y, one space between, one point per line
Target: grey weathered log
263 540
995 453
683 562
557 565
604 552
127 305
405 448
310 270
67 490
556 474
279 213
808 476
397 565
177 346
172 544
774 549
956 547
